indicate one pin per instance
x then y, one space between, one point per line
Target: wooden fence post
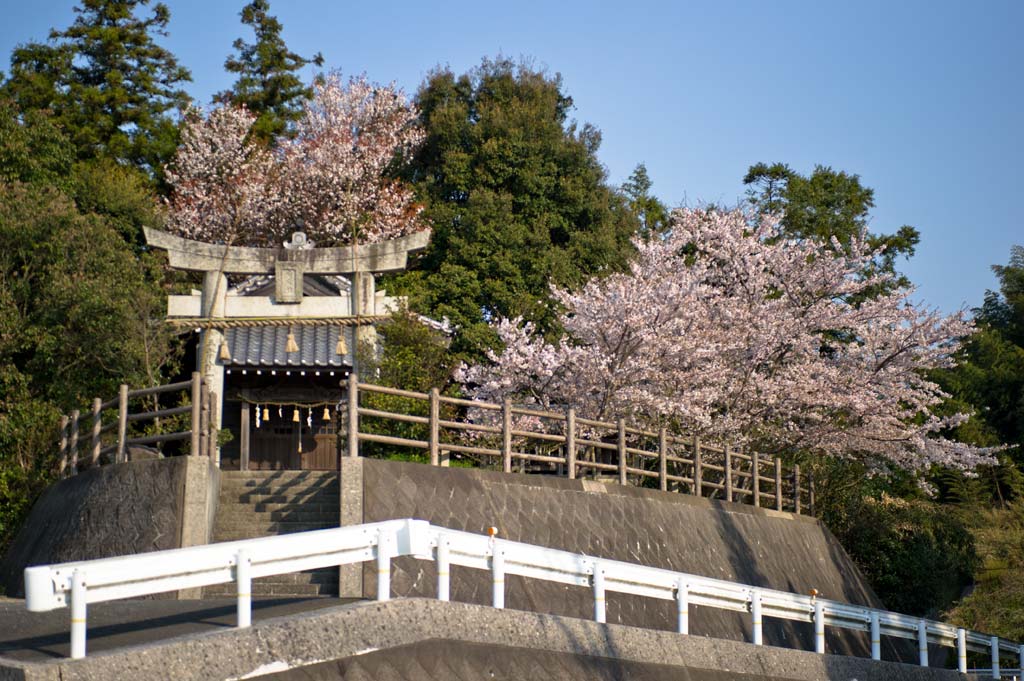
506 435
204 423
74 442
353 414
97 427
622 451
810 491
197 404
728 473
64 421
663 459
755 462
435 427
796 488
122 423
214 449
570 442
698 469
778 483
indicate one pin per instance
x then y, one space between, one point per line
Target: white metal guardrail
49 587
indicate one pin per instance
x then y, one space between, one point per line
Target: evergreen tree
267 82
109 85
652 213
825 204
517 198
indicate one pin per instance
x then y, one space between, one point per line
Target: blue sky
923 100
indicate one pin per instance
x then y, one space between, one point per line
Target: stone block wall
668 530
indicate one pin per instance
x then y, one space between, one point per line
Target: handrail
75 428
50 587
571 445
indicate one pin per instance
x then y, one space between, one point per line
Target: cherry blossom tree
724 328
333 177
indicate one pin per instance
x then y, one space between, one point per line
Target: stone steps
267 503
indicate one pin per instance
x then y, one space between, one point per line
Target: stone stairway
264 503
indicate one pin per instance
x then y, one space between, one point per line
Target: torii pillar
288 265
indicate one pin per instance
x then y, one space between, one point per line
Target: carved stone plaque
288 282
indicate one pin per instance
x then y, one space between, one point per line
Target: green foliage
652 213
516 196
915 554
996 604
267 82
826 204
80 306
108 84
413 357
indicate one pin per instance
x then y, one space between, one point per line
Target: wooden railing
564 443
106 429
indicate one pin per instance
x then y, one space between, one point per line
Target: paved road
33 636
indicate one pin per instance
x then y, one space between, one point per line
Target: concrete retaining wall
669 530
427 640
115 510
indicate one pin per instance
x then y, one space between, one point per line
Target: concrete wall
427 640
668 530
115 510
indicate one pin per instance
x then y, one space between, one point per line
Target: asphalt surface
38 637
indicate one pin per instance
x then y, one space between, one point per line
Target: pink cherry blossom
332 177
726 329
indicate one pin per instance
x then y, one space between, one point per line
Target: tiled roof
264 346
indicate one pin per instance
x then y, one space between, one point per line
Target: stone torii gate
288 265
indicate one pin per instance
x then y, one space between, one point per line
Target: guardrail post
663 459
922 643
819 627
755 615
353 414
876 637
383 566
994 644
1020 658
506 435
683 607
122 423
698 472
73 445
443 571
97 426
435 427
728 473
622 451
599 601
78 615
196 428
497 576
243 580
796 488
570 442
64 421
755 471
961 650
778 484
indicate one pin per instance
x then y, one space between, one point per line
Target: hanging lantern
225 354
291 345
295 415
327 414
266 414
342 347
